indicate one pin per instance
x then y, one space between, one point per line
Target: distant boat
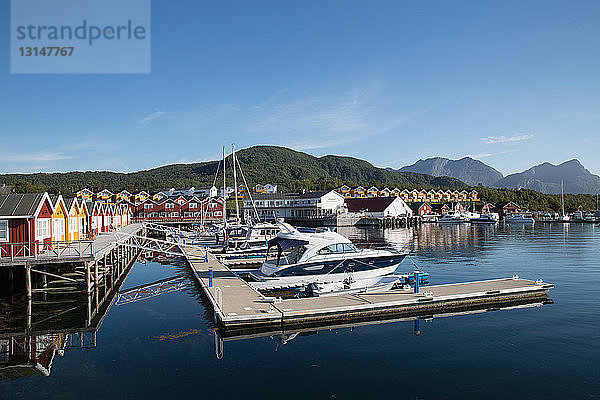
519 219
490 218
453 218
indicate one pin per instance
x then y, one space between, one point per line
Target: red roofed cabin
25 224
505 208
420 208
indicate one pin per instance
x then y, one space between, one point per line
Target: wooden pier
94 269
238 306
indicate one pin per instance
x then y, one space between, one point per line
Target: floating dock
237 305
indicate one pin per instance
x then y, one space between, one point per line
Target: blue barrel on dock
210 277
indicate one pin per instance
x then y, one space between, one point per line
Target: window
42 228
147 206
175 214
3 231
169 205
338 249
193 205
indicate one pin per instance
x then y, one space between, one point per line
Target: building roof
503 204
415 205
371 204
19 204
69 202
270 196
289 196
313 195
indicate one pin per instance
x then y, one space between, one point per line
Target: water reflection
283 337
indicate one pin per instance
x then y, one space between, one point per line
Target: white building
379 207
291 206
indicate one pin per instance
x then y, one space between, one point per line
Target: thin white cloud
485 155
328 118
36 157
505 139
152 116
480 155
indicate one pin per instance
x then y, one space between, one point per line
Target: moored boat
519 219
303 258
453 218
490 218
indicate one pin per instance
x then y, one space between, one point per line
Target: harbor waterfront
168 344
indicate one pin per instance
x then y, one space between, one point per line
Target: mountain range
294 171
291 170
544 178
468 170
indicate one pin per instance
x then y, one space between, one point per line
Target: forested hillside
291 170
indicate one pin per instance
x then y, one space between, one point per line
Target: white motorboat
454 218
490 218
519 219
256 240
296 258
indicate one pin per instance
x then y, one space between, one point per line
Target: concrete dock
237 305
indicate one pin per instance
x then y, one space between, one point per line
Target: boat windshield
291 255
338 248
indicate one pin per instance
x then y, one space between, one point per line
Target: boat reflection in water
283 337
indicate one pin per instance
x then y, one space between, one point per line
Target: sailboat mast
237 206
224 193
562 196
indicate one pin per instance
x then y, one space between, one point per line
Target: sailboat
563 217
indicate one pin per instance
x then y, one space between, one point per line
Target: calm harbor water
164 346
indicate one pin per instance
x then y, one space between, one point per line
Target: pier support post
28 280
11 280
87 278
96 282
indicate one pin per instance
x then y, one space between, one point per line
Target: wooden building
60 219
505 208
421 208
25 223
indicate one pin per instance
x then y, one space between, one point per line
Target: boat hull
334 270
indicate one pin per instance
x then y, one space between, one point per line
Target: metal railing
47 250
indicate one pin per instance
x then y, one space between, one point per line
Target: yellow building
104 195
122 195
358 191
59 219
85 194
141 196
344 190
372 192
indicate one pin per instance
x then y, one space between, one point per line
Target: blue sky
512 83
